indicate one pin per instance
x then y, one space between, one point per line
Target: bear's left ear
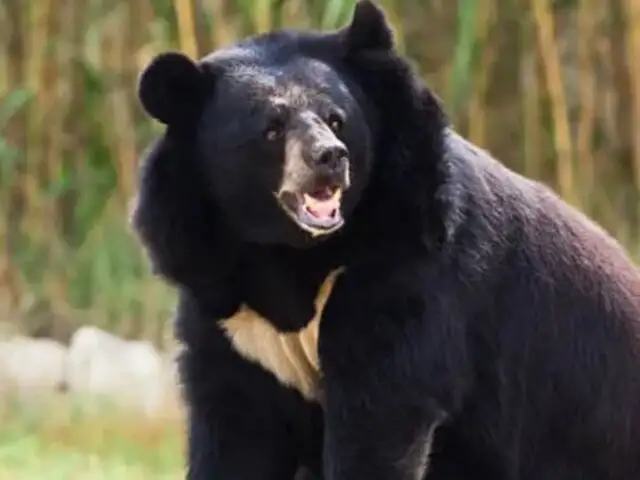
369 29
170 88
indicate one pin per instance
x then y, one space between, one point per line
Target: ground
60 441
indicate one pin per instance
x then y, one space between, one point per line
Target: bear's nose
332 157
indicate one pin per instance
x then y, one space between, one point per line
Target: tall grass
551 87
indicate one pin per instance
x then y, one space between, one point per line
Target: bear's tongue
323 204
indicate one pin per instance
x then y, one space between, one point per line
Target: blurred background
552 88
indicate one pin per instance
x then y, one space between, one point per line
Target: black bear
364 293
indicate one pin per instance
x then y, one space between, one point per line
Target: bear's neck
281 283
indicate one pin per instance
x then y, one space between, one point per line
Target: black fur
172 95
473 299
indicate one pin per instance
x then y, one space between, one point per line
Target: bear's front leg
233 434
393 355
378 440
235 429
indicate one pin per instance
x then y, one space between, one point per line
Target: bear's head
281 138
270 142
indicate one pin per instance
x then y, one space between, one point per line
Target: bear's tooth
322 204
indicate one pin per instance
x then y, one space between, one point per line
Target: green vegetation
551 87
59 441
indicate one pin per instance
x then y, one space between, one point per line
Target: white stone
127 373
31 366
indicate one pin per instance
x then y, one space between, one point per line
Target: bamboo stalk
187 27
15 134
43 81
531 100
587 92
633 56
606 100
123 113
93 131
551 62
261 16
477 108
222 31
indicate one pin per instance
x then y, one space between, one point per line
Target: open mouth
317 211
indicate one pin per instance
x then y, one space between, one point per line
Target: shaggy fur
481 328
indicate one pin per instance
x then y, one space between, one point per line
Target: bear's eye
335 122
274 130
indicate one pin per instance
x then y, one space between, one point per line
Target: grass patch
59 440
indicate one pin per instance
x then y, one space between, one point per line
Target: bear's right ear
170 87
369 29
